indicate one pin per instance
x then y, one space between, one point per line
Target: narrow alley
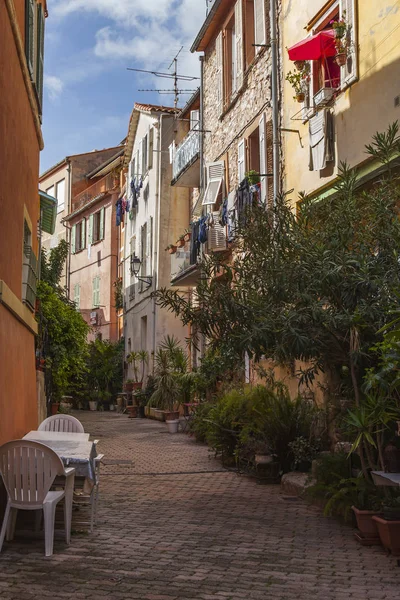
173 524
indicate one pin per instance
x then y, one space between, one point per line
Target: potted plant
54 407
188 235
388 524
252 177
93 402
171 248
180 241
138 360
296 80
304 453
340 28
128 385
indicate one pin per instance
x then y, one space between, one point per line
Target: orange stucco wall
19 171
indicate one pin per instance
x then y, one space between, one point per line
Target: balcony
185 166
183 272
96 190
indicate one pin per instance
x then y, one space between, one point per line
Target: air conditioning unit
323 96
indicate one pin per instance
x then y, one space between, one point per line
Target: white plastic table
74 449
389 479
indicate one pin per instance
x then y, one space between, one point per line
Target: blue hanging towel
203 228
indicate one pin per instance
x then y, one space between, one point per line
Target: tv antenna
174 75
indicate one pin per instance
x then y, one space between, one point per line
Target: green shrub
199 424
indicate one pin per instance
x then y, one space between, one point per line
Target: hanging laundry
203 229
118 212
194 243
223 213
231 215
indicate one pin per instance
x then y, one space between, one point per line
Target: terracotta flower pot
365 523
54 408
187 237
172 415
132 411
172 250
300 97
129 387
389 532
137 385
341 59
180 243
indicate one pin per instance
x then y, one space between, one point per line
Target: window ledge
17 308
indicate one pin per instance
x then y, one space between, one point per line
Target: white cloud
125 13
53 85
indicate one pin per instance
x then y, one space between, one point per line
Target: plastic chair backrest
28 470
64 423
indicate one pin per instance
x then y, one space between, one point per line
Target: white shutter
151 147
98 291
101 232
73 238
239 44
263 158
137 166
219 74
77 296
259 23
90 229
140 159
241 161
83 234
216 240
349 72
150 247
194 119
215 176
94 292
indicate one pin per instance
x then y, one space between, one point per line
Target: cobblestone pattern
211 535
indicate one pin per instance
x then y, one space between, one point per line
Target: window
241 39
78 238
151 147
96 227
96 292
215 178
194 120
34 44
77 296
60 195
29 270
51 191
325 73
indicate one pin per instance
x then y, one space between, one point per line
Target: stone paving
173 525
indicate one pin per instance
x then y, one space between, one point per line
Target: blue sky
88 93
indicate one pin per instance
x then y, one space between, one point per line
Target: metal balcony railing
185 152
102 186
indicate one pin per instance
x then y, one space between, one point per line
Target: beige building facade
156 214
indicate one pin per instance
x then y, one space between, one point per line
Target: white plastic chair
28 470
63 423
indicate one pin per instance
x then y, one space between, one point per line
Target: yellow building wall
367 106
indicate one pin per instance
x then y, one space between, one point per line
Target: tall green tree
315 285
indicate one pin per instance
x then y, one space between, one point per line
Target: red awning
314 47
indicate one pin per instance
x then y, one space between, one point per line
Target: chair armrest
69 471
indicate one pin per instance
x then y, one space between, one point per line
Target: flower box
323 96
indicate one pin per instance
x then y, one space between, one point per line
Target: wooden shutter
73 239
101 232
241 161
239 57
40 54
90 229
259 23
216 235
29 35
219 74
98 291
151 147
215 176
349 72
263 158
94 291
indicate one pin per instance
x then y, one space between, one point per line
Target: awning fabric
48 209
315 47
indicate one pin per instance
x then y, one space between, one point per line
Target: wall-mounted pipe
274 99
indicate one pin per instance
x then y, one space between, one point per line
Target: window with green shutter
77 296
30 35
96 292
39 54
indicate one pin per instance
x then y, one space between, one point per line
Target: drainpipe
201 59
68 233
156 228
274 92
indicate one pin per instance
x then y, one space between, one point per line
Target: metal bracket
293 131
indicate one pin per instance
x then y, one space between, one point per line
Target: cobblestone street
174 525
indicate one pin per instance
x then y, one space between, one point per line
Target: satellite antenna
174 75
